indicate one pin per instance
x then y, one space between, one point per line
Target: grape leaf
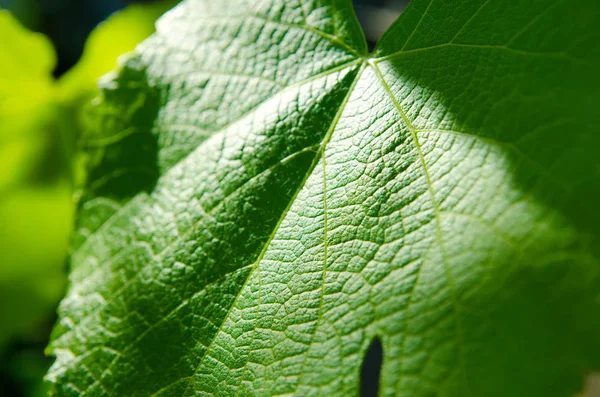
268 199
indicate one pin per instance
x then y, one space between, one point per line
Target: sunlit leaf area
300 198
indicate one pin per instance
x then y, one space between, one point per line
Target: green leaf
268 198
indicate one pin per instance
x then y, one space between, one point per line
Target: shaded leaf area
371 370
307 198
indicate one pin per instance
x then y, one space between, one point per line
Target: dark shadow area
375 16
520 98
120 150
121 145
534 101
22 366
8 385
371 369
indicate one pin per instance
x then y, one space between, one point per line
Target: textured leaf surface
268 199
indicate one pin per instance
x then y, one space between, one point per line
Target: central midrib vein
320 157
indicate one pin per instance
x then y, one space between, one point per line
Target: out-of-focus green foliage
40 125
35 194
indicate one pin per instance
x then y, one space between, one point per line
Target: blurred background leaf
41 124
35 202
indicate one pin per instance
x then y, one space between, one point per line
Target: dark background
68 23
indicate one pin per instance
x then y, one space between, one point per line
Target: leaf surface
268 199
